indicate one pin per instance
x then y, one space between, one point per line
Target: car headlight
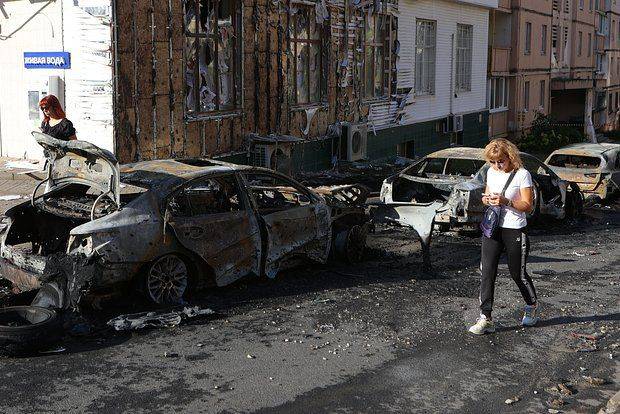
82 244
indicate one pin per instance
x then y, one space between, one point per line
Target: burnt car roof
160 172
459 152
587 148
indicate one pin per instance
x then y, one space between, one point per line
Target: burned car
594 167
456 177
444 189
168 226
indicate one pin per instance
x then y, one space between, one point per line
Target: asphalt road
378 336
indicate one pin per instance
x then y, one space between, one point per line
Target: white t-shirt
496 180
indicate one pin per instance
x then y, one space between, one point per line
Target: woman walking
509 186
54 122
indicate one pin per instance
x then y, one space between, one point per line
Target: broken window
432 166
212 55
464 45
425 40
464 167
207 196
306 47
376 41
272 193
574 161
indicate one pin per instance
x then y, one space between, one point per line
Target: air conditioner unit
353 141
454 123
275 157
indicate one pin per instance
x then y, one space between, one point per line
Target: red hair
53 105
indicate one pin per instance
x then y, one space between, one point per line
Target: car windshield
574 161
464 167
431 166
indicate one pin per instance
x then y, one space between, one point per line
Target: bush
547 136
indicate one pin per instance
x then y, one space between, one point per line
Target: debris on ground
594 380
170 354
22 165
511 400
142 320
10 197
57 350
557 402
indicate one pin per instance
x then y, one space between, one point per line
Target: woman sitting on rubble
54 122
509 186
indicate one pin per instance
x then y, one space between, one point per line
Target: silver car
594 167
168 226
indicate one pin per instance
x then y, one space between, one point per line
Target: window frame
236 58
384 44
543 46
528 38
293 43
494 82
526 96
463 65
430 84
181 188
543 93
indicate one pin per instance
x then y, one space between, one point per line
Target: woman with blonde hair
509 186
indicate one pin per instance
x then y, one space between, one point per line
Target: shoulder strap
512 175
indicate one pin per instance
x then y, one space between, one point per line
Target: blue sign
47 60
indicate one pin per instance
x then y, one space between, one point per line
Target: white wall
447 14
42 33
88 84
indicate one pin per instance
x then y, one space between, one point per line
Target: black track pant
516 243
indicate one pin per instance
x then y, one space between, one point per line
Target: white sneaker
482 326
529 315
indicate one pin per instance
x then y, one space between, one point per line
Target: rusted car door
212 218
296 221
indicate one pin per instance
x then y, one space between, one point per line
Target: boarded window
377 29
464 44
306 46
212 55
426 42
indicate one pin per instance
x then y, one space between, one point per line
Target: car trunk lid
80 162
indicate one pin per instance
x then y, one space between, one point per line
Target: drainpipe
451 115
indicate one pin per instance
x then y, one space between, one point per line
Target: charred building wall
198 77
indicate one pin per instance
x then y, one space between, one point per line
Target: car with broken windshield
168 227
446 186
594 167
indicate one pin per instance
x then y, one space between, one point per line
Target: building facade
552 57
289 84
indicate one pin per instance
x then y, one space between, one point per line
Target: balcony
504 5
500 59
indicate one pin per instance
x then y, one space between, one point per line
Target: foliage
547 135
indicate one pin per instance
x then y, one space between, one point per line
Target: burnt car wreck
444 190
167 227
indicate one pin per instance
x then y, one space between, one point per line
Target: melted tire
27 329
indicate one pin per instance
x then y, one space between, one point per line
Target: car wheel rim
167 280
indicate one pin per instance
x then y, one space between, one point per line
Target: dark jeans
516 243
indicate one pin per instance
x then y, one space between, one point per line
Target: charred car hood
80 162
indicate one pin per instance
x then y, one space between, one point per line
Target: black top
62 130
